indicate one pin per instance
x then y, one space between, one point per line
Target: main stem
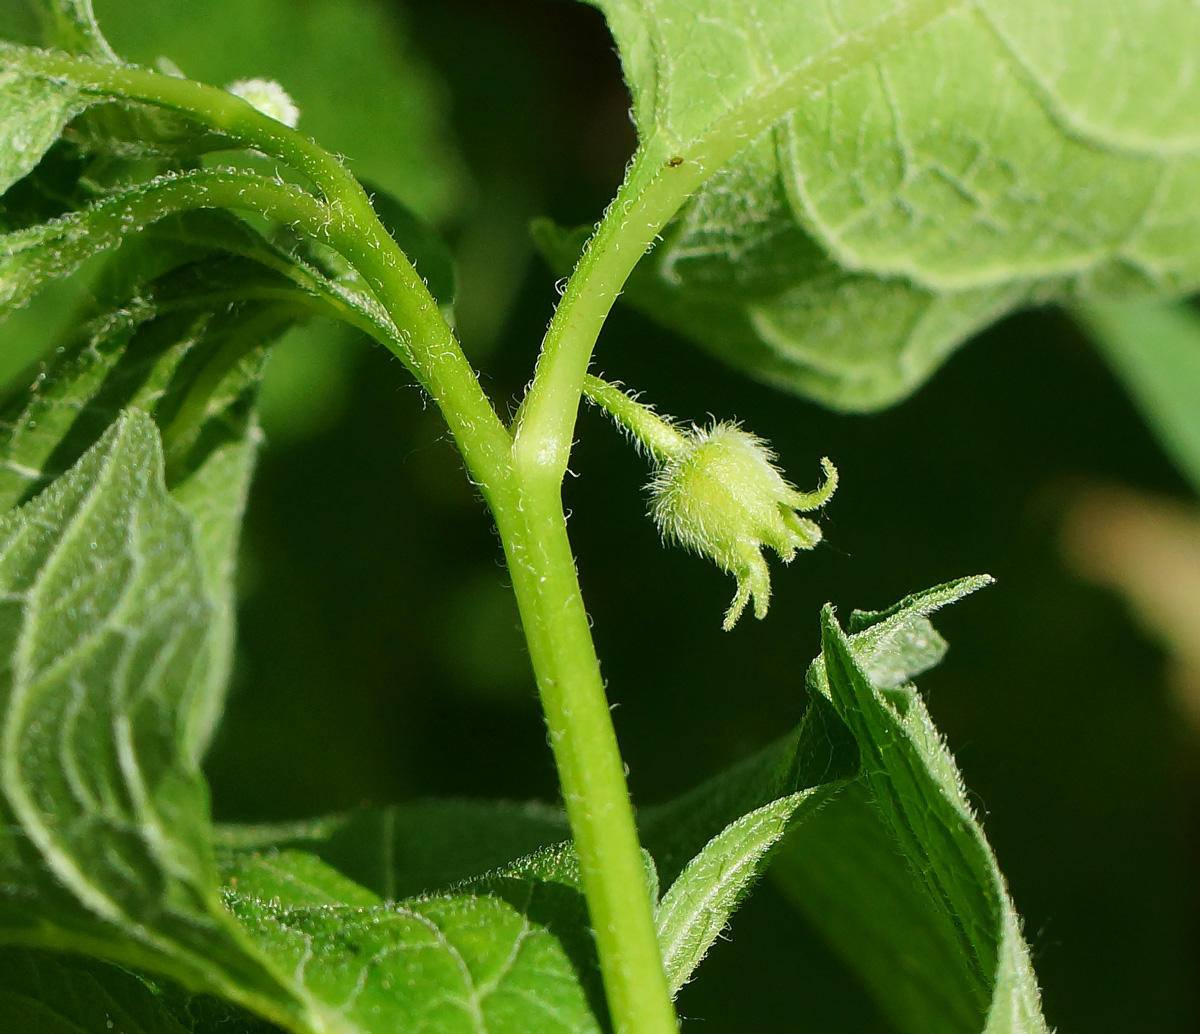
590 769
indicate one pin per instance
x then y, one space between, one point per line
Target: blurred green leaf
70 25
914 170
32 115
61 994
361 90
441 964
1155 349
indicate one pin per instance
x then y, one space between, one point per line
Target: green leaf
33 112
477 964
818 754
843 869
178 334
882 180
411 849
915 784
105 843
104 836
68 25
32 257
696 909
1156 352
59 994
361 89
71 25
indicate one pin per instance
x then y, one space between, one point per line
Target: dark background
380 658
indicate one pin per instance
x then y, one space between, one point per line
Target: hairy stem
573 695
520 479
651 194
348 223
657 435
590 770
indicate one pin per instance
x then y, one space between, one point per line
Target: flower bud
721 495
268 97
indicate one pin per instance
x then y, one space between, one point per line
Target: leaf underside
917 169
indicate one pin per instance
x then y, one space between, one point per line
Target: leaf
695 911
447 963
843 869
879 181
105 844
56 994
361 89
104 838
411 849
175 338
32 257
917 788
1156 352
33 112
70 25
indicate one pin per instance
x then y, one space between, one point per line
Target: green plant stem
427 344
652 192
542 566
521 481
656 434
590 770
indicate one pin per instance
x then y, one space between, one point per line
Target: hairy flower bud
268 97
722 496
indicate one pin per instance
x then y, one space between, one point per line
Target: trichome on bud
722 496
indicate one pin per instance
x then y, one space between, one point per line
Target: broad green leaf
104 834
696 909
33 112
842 867
475 964
914 782
178 334
361 89
1156 352
43 993
878 180
104 838
780 787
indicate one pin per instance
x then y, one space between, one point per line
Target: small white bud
268 97
722 496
